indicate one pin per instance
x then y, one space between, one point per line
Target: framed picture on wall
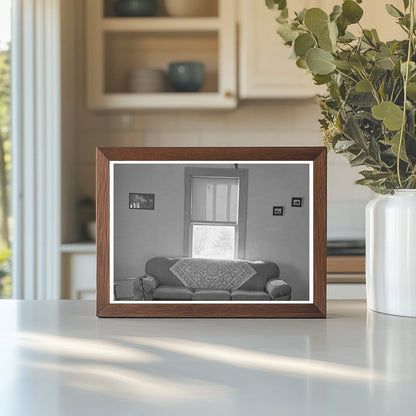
210 247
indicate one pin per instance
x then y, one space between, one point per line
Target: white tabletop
57 358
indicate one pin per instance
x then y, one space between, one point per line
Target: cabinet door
265 68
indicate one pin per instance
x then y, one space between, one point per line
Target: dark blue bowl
186 76
135 8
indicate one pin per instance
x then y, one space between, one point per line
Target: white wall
143 234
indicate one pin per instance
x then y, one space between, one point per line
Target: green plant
369 113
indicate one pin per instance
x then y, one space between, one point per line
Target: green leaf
301 15
319 61
347 37
336 12
393 11
351 11
342 25
343 145
287 33
303 43
316 20
384 62
375 35
321 79
358 61
388 112
301 63
345 65
406 4
394 145
325 42
363 86
411 90
358 160
276 4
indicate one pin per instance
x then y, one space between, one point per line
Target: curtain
214 199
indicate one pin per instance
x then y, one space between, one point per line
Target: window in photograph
217 208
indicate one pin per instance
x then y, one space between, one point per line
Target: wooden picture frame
314 306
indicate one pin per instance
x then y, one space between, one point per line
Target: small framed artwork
141 201
210 249
297 202
278 210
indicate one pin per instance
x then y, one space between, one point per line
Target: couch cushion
211 294
172 293
249 295
265 270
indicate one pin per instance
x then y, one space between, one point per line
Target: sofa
189 279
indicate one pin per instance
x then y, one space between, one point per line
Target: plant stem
405 81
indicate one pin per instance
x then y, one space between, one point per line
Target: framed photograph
278 211
141 201
297 202
209 247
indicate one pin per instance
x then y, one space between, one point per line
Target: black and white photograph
211 237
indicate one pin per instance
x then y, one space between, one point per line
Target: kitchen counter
57 358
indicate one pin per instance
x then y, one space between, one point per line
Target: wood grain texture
317 309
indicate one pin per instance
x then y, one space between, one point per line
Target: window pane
214 199
213 241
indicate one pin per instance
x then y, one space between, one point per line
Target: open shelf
210 10
160 24
127 51
116 46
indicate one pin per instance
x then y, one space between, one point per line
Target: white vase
391 253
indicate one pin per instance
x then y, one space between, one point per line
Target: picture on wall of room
210 249
297 202
141 201
278 211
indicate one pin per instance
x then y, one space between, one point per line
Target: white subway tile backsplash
259 123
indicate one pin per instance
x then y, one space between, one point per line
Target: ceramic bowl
186 76
147 80
135 8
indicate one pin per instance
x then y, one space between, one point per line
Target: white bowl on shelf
147 80
191 8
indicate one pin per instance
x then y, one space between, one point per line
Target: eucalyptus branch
406 80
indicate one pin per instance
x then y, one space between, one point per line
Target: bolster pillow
277 288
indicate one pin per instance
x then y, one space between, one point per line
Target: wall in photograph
283 238
142 234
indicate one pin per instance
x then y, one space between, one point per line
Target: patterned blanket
212 274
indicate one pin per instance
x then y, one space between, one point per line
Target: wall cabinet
78 262
118 45
265 68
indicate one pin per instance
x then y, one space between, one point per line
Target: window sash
236 233
242 175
